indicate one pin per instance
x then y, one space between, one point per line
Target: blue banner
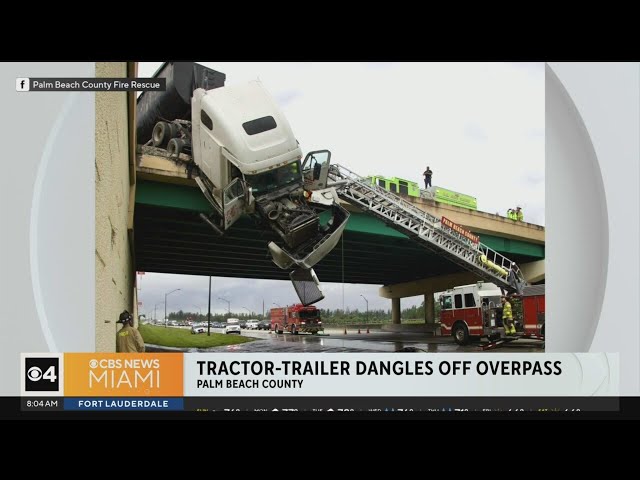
123 403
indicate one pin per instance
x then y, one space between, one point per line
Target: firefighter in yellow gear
507 317
128 338
519 214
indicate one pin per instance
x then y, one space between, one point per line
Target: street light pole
165 305
367 306
209 310
228 305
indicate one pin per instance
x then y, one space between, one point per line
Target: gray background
47 297
607 97
47 203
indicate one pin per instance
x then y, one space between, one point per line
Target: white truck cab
243 125
248 161
251 162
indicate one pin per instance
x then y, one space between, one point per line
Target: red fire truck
471 312
296 318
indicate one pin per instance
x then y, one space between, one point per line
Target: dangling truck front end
293 212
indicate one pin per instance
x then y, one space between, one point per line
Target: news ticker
26 84
284 405
216 381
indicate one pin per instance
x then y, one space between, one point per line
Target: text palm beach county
101 85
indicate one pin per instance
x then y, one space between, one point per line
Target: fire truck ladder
426 229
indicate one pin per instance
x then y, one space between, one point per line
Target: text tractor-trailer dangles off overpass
242 153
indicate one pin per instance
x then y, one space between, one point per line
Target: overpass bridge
171 238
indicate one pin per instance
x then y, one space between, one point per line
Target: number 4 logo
50 374
42 373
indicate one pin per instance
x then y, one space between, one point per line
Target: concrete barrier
433 328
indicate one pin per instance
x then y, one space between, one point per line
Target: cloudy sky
479 126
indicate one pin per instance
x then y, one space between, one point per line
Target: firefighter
428 173
507 317
519 214
128 339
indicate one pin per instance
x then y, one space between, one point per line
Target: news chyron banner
104 381
311 381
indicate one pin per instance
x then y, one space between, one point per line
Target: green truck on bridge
439 194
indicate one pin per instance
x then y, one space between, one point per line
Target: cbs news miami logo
102 374
123 375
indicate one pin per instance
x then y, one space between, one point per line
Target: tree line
327 315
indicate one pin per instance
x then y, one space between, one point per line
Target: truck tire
460 333
176 146
161 134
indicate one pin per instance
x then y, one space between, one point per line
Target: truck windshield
312 314
278 177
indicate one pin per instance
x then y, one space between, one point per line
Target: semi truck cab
248 161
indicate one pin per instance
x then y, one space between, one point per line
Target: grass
182 337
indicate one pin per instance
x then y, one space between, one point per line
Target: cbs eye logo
41 374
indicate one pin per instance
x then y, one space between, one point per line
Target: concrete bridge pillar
395 311
429 308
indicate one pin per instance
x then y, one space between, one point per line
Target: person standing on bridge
507 317
427 177
128 338
519 214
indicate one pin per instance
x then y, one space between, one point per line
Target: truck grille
306 286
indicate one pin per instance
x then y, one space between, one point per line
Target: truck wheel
460 334
161 134
542 330
175 146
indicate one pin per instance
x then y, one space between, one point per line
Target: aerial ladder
426 229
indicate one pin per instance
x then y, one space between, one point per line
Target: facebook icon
22 84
